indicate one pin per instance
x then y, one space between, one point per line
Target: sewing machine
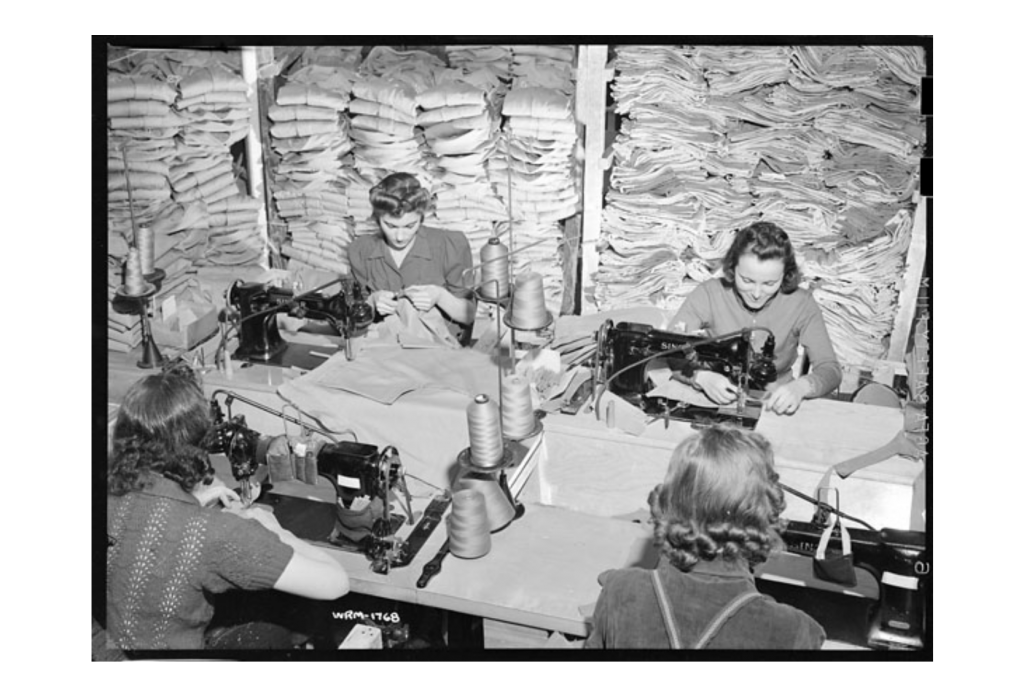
256 306
366 481
625 351
899 561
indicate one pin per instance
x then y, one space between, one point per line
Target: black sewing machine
900 562
257 305
366 481
625 351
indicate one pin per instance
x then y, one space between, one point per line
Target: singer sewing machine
626 350
256 306
899 561
366 481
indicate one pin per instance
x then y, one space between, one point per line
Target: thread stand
512 455
139 304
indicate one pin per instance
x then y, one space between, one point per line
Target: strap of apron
666 612
713 627
716 624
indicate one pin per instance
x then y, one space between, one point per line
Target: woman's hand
786 399
384 301
716 387
207 494
423 297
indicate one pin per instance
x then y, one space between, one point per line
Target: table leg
464 631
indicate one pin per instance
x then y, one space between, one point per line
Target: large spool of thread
469 529
486 447
528 310
144 241
517 416
134 283
494 273
500 510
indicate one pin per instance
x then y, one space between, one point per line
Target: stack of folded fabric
536 174
310 133
857 287
487 67
383 129
823 141
460 129
537 247
124 331
140 151
142 128
544 66
215 99
416 69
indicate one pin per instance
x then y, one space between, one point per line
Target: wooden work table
541 571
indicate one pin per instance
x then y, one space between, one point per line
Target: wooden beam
907 307
254 144
591 92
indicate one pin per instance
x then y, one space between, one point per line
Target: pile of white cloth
460 129
310 134
215 99
822 140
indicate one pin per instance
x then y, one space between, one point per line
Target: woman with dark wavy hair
170 548
715 517
759 287
426 265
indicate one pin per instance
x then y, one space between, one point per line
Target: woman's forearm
461 310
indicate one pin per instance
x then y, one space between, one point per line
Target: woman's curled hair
398 194
720 499
765 240
160 428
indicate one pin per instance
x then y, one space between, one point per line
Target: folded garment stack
142 126
124 331
857 287
384 130
215 99
536 175
461 131
537 247
487 67
823 140
140 149
545 66
310 133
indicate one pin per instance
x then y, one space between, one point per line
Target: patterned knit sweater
168 556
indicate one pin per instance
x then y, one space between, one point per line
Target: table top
554 554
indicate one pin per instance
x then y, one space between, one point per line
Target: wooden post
266 93
907 306
254 143
591 90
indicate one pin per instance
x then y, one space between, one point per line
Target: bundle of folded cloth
460 128
310 134
822 140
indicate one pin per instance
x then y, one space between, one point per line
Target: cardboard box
186 321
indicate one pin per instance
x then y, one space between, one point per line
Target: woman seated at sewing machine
426 266
759 288
171 548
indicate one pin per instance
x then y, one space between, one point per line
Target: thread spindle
486 447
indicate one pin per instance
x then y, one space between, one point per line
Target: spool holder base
137 304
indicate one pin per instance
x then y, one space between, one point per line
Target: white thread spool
517 417
486 447
500 510
494 273
469 530
145 244
528 309
133 281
